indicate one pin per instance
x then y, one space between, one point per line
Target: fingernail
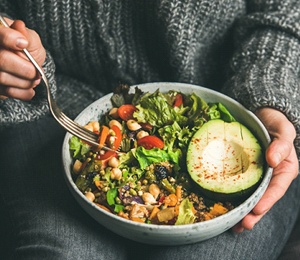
21 43
239 230
3 97
37 82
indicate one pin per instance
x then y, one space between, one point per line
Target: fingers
16 87
34 45
18 76
18 93
19 26
279 149
283 175
247 223
17 83
13 39
282 132
9 61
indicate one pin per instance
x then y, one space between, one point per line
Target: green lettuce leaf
78 147
146 157
213 112
155 109
219 111
186 215
197 106
127 159
176 140
225 114
111 195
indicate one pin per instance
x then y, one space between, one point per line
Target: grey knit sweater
249 50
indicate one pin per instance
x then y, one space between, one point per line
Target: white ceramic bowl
164 234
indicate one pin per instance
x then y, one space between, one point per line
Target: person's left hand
282 157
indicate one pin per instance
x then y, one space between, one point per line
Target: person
246 49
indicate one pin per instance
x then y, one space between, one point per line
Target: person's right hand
18 77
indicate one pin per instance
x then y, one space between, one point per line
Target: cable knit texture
246 49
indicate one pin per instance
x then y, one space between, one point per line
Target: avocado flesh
225 159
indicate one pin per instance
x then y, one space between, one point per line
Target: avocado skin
235 197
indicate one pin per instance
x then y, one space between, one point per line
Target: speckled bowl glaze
163 234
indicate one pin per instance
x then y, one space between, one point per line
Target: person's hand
281 156
18 77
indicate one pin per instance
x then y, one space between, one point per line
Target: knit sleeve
16 111
265 67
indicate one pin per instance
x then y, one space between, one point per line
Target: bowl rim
256 195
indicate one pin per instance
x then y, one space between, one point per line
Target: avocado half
225 160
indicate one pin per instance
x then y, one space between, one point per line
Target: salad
146 179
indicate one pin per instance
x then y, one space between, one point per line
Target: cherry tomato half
178 100
126 111
107 155
150 141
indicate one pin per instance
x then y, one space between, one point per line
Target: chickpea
77 166
113 162
116 123
90 196
116 174
96 126
114 112
141 134
93 126
89 127
154 190
148 198
133 125
112 139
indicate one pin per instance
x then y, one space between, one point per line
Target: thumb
20 26
13 39
34 44
278 150
282 132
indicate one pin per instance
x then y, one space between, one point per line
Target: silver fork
67 123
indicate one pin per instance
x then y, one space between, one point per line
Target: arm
265 78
